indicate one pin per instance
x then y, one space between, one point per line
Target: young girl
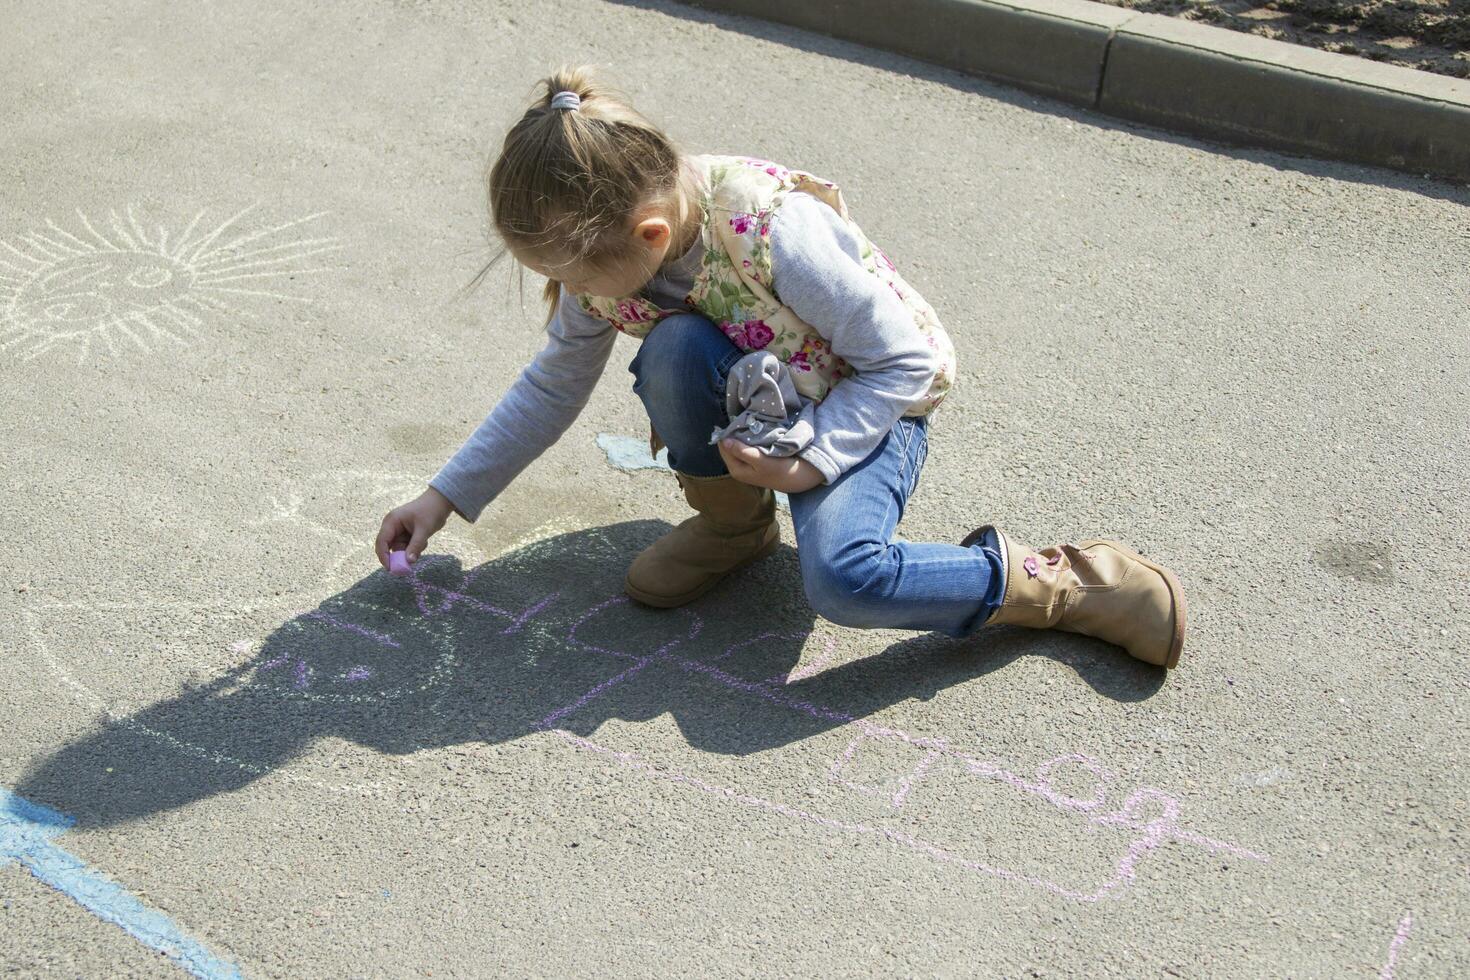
707 258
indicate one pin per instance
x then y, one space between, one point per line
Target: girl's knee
848 588
678 375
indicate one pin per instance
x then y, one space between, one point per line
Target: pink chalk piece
398 563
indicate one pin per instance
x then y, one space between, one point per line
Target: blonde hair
571 179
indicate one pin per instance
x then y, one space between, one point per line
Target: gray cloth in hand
764 409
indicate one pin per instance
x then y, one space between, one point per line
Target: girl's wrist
443 503
806 477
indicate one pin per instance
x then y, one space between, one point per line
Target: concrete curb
1174 74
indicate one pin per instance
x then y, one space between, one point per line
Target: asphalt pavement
232 239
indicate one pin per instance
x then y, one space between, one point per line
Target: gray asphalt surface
1250 366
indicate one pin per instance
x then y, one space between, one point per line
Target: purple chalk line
448 598
1153 832
559 713
525 617
382 638
1400 937
1041 786
633 762
829 653
908 781
639 662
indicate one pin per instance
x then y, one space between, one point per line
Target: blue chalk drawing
629 453
26 832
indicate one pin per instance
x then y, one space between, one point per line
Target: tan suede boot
736 524
1097 588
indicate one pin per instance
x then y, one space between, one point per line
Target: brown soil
1431 35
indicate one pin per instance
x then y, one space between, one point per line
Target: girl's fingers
416 543
387 535
742 452
742 459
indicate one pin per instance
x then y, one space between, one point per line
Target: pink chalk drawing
302 673
919 772
1131 816
829 648
448 598
432 600
1400 937
905 782
1149 816
638 662
382 638
305 675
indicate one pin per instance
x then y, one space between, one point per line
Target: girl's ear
653 231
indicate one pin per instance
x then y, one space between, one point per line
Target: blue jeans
853 572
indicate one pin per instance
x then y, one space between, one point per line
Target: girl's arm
542 403
817 270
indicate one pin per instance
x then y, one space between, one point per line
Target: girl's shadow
535 640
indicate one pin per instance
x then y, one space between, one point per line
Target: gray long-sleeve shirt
816 270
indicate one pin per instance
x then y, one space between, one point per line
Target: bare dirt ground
1431 35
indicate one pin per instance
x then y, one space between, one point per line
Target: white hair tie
566 100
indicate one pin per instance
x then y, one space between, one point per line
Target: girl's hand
409 527
785 473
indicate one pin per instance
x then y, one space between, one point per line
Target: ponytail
569 179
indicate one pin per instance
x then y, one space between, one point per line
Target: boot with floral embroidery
736 524
1097 588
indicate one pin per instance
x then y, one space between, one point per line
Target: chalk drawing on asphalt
1147 817
350 650
331 506
1399 938
298 666
318 654
121 284
343 645
28 833
40 622
630 454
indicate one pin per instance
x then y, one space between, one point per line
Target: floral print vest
733 287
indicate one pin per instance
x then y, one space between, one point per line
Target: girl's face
621 279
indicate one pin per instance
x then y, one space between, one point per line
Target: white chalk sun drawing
126 287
